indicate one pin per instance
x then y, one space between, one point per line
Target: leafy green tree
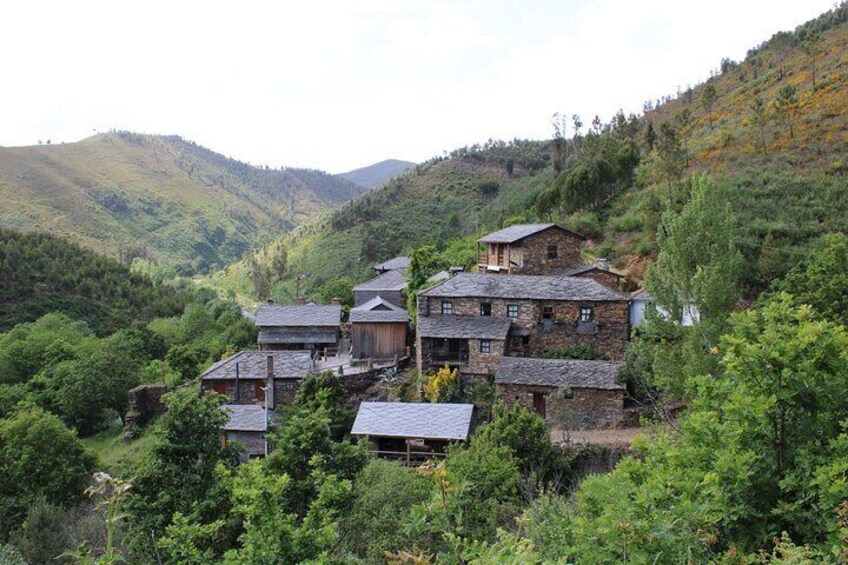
670 158
698 258
179 474
759 120
340 287
384 494
524 433
39 459
822 280
811 47
42 538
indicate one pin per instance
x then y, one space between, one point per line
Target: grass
116 455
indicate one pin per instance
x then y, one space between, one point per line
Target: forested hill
124 194
374 175
40 274
772 128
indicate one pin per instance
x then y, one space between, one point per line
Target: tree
260 276
179 473
684 121
443 386
39 459
42 538
698 258
671 157
786 104
708 100
759 120
650 135
340 288
811 46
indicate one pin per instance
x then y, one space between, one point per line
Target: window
586 313
485 308
512 311
485 346
567 393
553 252
447 307
547 312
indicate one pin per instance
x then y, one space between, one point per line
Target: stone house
390 286
545 313
246 428
378 330
412 432
591 396
313 327
474 345
244 377
529 249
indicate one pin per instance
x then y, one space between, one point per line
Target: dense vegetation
161 197
40 273
613 181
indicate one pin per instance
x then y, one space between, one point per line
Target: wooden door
539 404
259 392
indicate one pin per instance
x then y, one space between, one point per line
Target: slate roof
421 420
378 310
390 280
523 287
581 269
245 418
641 295
519 232
463 327
299 315
254 365
291 334
396 264
572 373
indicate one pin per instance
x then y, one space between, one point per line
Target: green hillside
40 274
615 180
127 194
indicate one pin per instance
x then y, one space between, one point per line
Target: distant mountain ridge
124 194
377 174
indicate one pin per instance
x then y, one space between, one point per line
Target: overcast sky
338 85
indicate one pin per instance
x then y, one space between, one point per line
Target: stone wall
535 251
608 332
249 390
145 401
590 408
478 363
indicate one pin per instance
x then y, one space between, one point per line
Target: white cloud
336 85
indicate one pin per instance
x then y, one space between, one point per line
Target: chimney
238 391
602 263
269 390
300 300
336 301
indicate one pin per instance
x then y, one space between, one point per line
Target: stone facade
479 363
530 255
608 331
251 444
250 390
145 401
590 408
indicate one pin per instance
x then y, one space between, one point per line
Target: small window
485 346
447 307
485 308
567 394
587 313
547 312
553 252
512 311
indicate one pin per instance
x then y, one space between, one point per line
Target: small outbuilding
412 432
390 285
590 397
314 327
246 427
395 264
378 330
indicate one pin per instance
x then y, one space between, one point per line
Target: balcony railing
409 458
450 358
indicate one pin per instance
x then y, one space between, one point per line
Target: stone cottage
590 397
246 428
529 249
545 314
313 327
244 377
